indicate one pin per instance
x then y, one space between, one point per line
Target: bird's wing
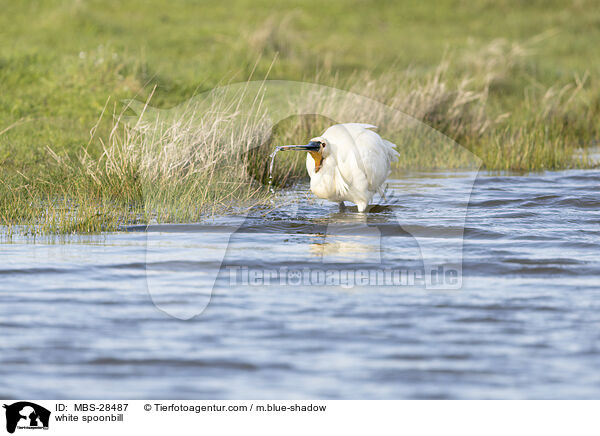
341 184
374 156
363 157
359 126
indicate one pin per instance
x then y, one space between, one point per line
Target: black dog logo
26 415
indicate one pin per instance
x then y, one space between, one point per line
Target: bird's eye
323 144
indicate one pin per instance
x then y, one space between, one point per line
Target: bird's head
317 147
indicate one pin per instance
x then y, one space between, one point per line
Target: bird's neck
318 158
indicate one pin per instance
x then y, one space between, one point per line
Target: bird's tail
390 148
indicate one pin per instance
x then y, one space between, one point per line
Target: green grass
515 82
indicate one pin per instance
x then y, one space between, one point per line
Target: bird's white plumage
356 163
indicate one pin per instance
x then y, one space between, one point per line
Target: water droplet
272 156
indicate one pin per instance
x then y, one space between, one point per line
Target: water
77 318
272 156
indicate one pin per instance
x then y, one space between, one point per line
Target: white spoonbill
349 162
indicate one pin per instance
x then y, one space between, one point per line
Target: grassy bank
517 83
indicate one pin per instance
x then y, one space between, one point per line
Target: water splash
272 156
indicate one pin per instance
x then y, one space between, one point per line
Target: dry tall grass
210 155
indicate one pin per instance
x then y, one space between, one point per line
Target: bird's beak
311 146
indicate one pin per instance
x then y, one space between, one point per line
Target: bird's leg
362 207
384 191
342 206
